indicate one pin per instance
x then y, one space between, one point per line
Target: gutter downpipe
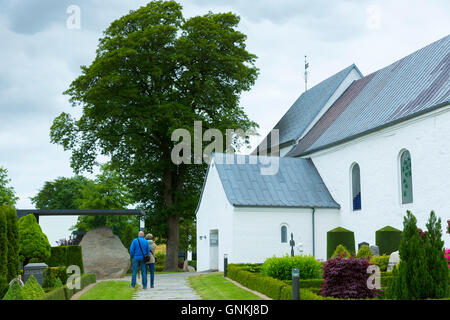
313 233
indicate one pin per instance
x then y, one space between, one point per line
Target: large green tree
62 193
106 191
155 72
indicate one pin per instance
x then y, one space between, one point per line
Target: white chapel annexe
356 151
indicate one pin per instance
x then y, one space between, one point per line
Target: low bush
55 294
251 267
32 290
346 278
364 252
381 261
308 283
281 267
53 273
266 285
193 263
15 292
305 294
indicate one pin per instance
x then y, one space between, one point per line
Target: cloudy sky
40 56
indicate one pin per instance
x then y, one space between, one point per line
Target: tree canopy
104 192
156 71
7 194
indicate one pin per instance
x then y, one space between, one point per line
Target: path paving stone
170 286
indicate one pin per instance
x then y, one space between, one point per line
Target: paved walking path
169 286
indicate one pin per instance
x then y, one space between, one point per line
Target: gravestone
35 269
394 259
362 244
375 250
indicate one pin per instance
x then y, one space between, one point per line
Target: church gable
414 85
307 107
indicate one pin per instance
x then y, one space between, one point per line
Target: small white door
214 250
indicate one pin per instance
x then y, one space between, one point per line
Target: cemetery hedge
66 256
339 236
64 293
388 239
266 285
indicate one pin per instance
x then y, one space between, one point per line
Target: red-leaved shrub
346 278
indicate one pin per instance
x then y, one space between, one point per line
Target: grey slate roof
307 106
416 84
296 184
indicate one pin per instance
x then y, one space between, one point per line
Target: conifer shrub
281 267
33 243
32 289
339 236
388 239
12 234
3 254
422 272
15 292
341 251
346 278
364 252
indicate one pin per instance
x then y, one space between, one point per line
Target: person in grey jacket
151 263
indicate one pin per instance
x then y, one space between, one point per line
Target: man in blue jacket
137 258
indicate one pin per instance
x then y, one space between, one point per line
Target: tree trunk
173 223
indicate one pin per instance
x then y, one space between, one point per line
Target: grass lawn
215 287
110 290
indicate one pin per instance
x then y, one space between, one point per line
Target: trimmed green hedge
308 283
388 239
66 256
266 285
339 236
57 294
52 273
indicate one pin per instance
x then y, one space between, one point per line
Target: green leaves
33 243
155 72
7 194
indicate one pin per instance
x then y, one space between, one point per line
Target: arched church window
406 177
356 187
283 234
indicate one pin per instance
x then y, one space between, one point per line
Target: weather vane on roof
306 74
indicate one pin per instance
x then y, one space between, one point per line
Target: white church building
355 152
